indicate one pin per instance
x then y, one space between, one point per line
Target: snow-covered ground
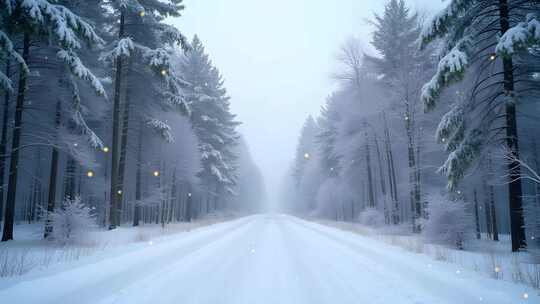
29 252
493 259
262 259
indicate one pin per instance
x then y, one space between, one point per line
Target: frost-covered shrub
71 223
371 217
448 222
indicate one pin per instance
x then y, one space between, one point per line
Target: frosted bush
72 222
448 222
372 217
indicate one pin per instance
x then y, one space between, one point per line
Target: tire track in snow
411 272
90 282
199 277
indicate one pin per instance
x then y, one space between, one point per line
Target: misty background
277 59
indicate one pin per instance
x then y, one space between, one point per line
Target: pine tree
39 19
402 67
470 30
213 122
140 54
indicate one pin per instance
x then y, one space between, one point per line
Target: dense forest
343 152
433 128
110 113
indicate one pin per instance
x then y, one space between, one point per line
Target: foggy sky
277 58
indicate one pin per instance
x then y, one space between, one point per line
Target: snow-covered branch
510 158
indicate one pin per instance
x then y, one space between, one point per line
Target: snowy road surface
264 259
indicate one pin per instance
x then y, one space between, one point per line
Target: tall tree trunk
53 174
476 217
371 195
382 180
189 204
414 200
36 190
124 137
137 209
391 173
515 191
422 206
487 210
172 199
493 210
3 142
15 145
115 192
69 178
493 213
161 211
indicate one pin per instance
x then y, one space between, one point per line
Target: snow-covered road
264 259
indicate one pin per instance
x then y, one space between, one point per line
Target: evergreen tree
35 20
402 67
470 30
141 54
213 122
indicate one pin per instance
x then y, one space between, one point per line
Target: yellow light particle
105 149
90 173
156 173
142 13
307 156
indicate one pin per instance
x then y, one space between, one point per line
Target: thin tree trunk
382 180
37 185
15 145
137 209
371 196
391 173
161 211
69 178
487 210
418 185
414 201
3 142
172 199
115 192
189 204
124 137
493 210
493 213
53 174
476 217
515 191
